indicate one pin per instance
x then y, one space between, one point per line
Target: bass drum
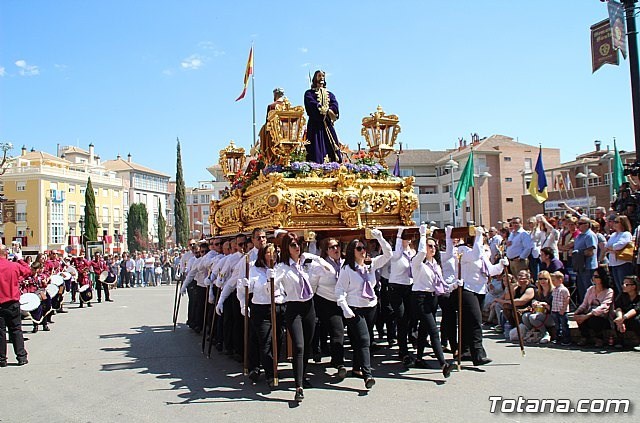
86 293
29 302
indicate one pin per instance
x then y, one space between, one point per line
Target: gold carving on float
316 200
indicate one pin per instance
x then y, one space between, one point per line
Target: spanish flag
247 72
538 185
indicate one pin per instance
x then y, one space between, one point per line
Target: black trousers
424 305
192 321
448 322
99 287
330 316
200 299
595 325
262 348
471 322
10 318
400 300
359 331
300 317
385 310
227 323
238 326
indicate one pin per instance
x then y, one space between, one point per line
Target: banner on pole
602 51
618 26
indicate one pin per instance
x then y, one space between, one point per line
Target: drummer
40 280
83 266
10 273
99 265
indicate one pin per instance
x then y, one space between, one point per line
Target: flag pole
253 94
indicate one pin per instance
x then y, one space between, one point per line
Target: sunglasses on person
543 279
431 245
241 244
333 247
629 284
294 245
360 248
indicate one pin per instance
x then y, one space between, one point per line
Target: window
446 188
116 215
428 190
105 215
607 178
116 194
204 199
467 209
72 189
95 191
195 199
105 192
507 159
508 179
56 223
21 186
21 212
1 186
527 164
138 197
447 207
509 199
83 190
72 212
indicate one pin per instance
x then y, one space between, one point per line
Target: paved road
121 361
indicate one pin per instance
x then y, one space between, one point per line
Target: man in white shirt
494 242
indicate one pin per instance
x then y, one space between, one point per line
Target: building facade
49 197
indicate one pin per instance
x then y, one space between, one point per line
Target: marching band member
356 298
99 265
428 285
39 281
476 270
83 266
293 278
400 280
323 281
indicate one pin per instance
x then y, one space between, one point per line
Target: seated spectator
592 315
538 320
628 310
495 290
549 262
496 310
522 297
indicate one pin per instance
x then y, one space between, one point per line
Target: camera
632 169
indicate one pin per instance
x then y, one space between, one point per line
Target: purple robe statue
323 141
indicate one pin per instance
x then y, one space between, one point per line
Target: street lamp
484 175
608 157
81 222
452 165
585 177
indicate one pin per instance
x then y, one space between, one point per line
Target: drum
103 276
108 278
29 302
56 280
73 271
86 293
52 290
67 280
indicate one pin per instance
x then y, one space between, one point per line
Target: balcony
21 217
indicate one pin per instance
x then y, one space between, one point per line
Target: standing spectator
620 267
139 267
124 278
494 241
10 316
560 309
600 213
175 266
583 256
567 239
131 267
550 235
518 247
149 263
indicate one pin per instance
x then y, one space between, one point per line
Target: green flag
466 181
618 169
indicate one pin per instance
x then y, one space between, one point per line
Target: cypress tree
162 241
90 218
180 205
137 227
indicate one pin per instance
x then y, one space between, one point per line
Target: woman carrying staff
356 298
293 276
323 282
428 285
260 315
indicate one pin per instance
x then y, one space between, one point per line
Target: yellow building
49 193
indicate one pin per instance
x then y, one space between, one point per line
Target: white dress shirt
400 264
260 286
324 276
290 279
474 276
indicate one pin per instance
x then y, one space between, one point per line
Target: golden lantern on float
232 160
380 131
286 126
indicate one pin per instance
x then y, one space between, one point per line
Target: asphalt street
122 361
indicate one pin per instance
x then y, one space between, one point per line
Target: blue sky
131 76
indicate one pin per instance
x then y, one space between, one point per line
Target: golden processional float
289 193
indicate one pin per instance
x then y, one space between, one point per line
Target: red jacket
10 275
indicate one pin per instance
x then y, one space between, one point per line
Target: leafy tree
162 224
90 218
180 205
137 227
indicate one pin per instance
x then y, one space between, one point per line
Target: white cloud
303 50
192 62
167 72
3 71
211 48
26 69
60 67
305 65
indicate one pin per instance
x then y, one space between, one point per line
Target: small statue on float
322 108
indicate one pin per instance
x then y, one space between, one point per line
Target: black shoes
61 311
408 361
306 383
299 395
88 304
342 372
482 361
35 329
446 369
46 328
369 382
3 363
254 375
109 300
22 361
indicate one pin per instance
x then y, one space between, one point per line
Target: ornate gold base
315 203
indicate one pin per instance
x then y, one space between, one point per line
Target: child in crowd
560 308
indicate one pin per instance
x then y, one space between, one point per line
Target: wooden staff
274 336
213 322
176 304
459 313
204 321
246 319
